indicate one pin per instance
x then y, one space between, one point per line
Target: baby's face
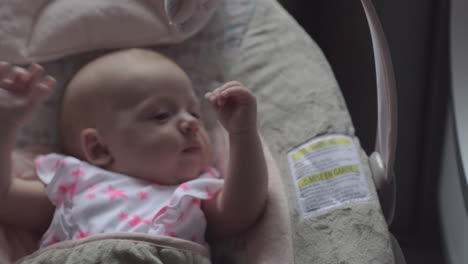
155 131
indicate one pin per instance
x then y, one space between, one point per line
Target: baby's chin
172 179
181 178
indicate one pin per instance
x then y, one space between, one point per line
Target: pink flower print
209 194
136 221
58 201
53 241
37 163
184 187
91 195
123 215
167 223
181 216
78 172
158 214
114 193
172 234
196 201
155 185
82 234
59 162
193 239
143 195
93 187
71 188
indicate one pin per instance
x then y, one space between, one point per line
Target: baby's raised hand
235 106
21 90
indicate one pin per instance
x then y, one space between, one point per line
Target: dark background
417 34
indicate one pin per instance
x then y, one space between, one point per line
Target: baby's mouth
194 148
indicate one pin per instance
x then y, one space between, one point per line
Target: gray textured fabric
124 249
299 99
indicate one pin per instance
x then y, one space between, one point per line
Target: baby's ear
95 151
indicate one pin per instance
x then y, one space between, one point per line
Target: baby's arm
243 197
22 203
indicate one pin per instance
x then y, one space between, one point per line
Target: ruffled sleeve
48 165
205 187
57 171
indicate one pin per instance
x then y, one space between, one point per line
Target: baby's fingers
227 86
211 98
238 94
233 98
44 88
25 80
13 80
218 91
35 73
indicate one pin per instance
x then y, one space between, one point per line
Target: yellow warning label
321 144
326 175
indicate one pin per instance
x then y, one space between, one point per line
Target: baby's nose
189 125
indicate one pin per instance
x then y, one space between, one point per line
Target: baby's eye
161 116
196 115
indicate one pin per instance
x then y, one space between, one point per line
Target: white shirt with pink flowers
90 200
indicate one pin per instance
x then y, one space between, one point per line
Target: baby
136 155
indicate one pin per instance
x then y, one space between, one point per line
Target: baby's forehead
131 73
153 101
121 62
130 56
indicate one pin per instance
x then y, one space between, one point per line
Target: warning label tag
327 174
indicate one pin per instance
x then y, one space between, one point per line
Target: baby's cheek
159 148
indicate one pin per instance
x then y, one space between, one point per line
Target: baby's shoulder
50 165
